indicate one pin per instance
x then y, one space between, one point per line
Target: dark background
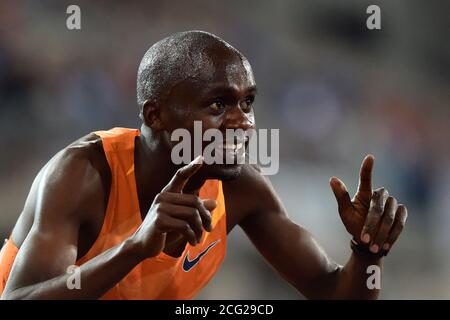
336 91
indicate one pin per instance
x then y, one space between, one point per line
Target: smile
232 146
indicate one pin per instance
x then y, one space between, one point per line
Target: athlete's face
221 97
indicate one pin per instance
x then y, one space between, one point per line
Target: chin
224 172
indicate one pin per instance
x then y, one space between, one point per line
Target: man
140 227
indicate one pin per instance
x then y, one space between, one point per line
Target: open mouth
233 147
233 152
229 151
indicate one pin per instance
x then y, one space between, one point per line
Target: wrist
134 248
362 251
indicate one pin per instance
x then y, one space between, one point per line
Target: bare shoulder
78 167
250 194
70 186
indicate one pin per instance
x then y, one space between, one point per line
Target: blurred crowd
336 90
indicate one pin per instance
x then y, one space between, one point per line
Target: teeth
229 146
233 146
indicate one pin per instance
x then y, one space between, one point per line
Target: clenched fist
175 213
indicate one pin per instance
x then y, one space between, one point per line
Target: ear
151 116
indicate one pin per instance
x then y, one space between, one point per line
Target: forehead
239 71
235 74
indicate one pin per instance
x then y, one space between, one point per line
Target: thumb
342 196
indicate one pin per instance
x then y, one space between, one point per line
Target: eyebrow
230 90
253 89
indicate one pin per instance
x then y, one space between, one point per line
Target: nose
237 119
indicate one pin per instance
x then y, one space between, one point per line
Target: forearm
352 279
97 276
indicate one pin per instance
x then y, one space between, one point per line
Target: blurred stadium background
336 90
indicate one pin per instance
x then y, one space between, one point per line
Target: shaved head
194 76
189 55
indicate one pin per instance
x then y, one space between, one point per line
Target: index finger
183 175
365 175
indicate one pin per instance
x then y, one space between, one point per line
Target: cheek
177 118
196 124
211 122
207 120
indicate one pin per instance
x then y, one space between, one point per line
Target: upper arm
64 194
288 247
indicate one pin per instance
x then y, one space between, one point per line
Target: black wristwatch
365 252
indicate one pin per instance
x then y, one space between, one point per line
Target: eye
217 105
247 104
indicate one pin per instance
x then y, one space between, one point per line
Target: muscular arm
68 193
297 256
291 249
68 190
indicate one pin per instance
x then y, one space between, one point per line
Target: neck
153 165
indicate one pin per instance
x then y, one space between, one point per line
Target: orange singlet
160 277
